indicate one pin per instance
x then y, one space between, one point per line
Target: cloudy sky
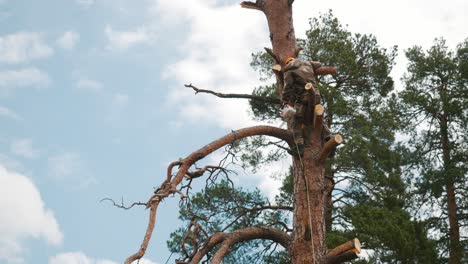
92 105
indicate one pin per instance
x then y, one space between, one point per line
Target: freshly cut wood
329 146
276 67
318 115
345 252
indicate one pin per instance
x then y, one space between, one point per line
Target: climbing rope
308 198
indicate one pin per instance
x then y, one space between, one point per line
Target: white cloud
26 77
77 258
65 165
5 112
120 99
23 215
123 40
10 163
85 3
220 38
418 22
143 261
70 168
68 40
24 148
86 84
23 47
216 55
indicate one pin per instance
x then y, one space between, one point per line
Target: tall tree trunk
309 208
309 217
455 250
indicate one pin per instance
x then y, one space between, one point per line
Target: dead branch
121 205
170 186
264 99
345 252
200 172
240 235
149 231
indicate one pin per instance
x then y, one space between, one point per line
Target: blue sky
92 105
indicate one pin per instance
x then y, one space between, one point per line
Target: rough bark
455 248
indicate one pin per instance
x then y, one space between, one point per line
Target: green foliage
222 208
392 234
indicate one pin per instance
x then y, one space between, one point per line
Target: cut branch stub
329 147
345 252
253 5
318 115
325 70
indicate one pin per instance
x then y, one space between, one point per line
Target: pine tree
435 103
369 198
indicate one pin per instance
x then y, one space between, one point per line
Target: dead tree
306 243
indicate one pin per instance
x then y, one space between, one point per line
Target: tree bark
455 248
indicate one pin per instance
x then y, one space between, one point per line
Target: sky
92 105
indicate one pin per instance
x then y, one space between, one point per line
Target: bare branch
149 231
121 205
169 186
270 100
